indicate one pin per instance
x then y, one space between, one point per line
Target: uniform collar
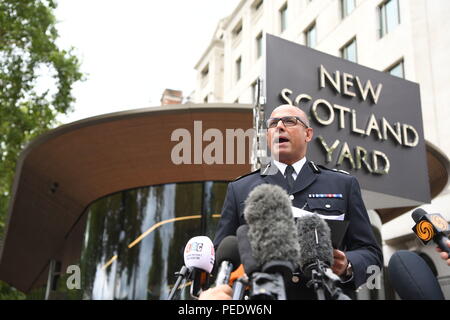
304 179
297 165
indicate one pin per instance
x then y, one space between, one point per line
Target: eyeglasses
288 121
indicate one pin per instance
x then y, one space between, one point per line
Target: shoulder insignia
314 167
334 169
247 174
341 171
266 170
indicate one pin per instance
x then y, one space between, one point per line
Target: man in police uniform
312 188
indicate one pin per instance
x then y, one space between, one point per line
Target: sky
130 51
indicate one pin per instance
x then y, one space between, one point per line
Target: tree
36 79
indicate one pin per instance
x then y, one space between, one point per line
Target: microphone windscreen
412 278
228 251
314 241
245 250
199 253
418 214
272 233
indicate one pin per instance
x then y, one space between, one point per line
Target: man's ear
309 134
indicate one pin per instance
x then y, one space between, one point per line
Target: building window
204 75
283 18
389 16
254 91
205 72
397 69
259 45
237 30
238 68
347 7
349 52
311 35
257 5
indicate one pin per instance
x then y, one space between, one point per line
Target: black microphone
412 278
316 257
273 240
314 237
227 258
431 227
245 250
249 263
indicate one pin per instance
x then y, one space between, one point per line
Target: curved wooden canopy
60 173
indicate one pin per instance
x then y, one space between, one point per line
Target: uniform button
295 279
291 197
328 206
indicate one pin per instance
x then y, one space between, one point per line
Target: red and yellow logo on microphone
425 230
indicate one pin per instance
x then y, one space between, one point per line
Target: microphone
314 237
431 227
272 234
199 254
245 250
273 240
227 258
316 257
247 260
199 257
412 278
198 262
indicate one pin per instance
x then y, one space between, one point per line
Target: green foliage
9 293
36 79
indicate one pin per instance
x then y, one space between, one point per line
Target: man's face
288 144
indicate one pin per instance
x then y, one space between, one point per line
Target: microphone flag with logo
199 253
199 258
430 227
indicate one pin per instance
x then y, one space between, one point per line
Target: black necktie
288 175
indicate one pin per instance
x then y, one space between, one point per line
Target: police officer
313 188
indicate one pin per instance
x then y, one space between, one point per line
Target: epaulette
266 169
247 174
341 171
334 169
314 167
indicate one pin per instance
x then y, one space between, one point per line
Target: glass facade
134 239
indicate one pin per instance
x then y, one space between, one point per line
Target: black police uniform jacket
359 243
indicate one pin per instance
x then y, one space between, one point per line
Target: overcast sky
132 50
